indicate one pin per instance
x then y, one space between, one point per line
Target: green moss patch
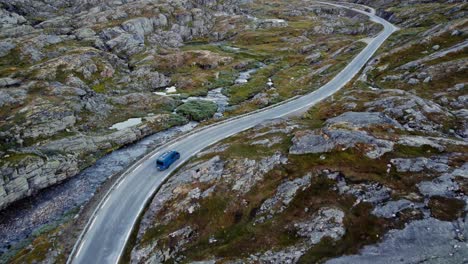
197 110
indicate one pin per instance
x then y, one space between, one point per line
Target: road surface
104 239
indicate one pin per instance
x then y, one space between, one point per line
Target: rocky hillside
376 174
73 74
66 77
80 79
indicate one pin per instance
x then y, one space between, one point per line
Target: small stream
19 221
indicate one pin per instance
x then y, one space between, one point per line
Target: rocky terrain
72 71
81 79
375 174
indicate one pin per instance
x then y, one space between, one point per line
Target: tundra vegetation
374 166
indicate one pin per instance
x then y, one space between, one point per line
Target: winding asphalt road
105 236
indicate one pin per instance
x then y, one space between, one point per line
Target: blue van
166 159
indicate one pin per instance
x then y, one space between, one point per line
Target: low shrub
197 110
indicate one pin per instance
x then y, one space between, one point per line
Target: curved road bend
105 237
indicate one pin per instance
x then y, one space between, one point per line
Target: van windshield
159 163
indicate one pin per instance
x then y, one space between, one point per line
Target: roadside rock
155 254
207 171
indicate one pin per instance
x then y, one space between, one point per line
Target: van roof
166 154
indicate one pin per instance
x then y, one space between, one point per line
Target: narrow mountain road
105 237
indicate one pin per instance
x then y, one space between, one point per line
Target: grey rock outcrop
412 112
428 240
285 193
445 185
392 208
6 47
330 140
373 193
327 222
32 173
438 164
363 120
288 255
253 171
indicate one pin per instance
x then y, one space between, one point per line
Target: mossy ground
230 218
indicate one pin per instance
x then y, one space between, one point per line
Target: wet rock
157 254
